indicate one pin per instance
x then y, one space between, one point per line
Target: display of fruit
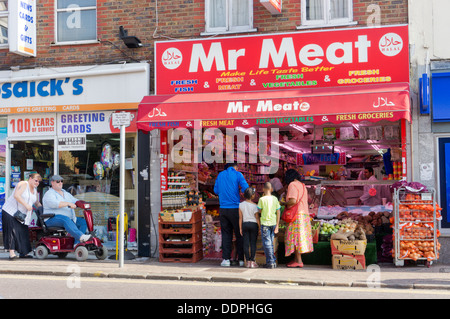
328 229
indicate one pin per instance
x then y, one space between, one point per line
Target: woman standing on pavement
15 233
298 237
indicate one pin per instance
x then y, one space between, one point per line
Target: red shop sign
349 104
318 59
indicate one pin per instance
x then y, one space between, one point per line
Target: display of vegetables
418 249
374 219
420 210
416 227
349 230
416 231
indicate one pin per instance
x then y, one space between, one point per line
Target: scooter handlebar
83 204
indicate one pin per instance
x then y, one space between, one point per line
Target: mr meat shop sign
334 58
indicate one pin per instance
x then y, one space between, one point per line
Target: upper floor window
224 16
76 21
326 12
3 23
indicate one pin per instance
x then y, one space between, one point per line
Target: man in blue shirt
227 187
61 203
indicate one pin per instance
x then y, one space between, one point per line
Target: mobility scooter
56 240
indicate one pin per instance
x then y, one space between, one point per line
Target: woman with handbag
16 214
298 237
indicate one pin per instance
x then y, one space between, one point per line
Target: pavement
375 276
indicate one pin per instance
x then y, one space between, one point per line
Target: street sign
122 118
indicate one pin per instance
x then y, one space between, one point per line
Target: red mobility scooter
56 240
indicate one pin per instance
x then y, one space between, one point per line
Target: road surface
73 287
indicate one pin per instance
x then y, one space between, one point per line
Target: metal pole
122 196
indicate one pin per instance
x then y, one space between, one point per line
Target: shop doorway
444 179
31 156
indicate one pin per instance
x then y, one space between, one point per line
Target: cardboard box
260 257
182 216
348 247
347 262
166 216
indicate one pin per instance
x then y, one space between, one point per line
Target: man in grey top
61 203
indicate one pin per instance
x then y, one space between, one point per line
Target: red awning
263 108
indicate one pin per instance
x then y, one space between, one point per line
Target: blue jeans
76 230
268 235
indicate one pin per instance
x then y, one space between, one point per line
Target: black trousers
250 234
229 223
15 235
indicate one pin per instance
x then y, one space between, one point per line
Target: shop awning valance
389 101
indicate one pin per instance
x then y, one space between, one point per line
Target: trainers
225 263
241 263
85 238
270 266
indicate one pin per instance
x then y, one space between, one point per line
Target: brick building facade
160 20
152 20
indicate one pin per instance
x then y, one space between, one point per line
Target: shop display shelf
415 226
177 239
196 217
180 248
181 258
181 241
180 228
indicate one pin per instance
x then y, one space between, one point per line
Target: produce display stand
415 226
180 241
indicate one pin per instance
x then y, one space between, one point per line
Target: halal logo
391 44
172 58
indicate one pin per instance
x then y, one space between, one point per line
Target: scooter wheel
41 252
101 253
81 253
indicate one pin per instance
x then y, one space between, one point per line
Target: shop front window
93 175
32 156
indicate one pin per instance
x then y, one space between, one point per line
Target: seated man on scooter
61 203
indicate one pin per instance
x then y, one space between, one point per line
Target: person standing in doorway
228 185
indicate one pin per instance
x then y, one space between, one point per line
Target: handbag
290 214
19 216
